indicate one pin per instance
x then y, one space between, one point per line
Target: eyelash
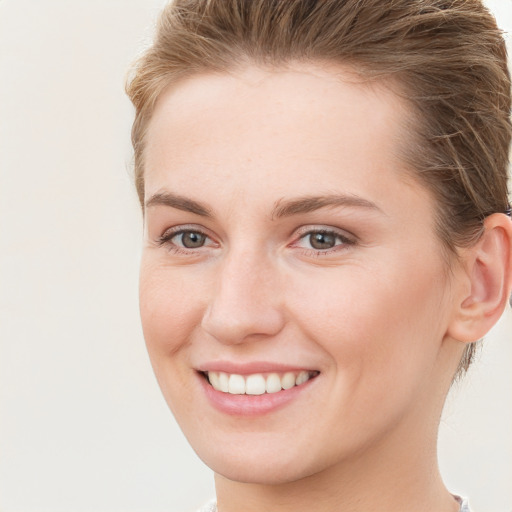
166 240
344 239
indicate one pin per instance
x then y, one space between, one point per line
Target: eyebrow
309 204
178 202
282 208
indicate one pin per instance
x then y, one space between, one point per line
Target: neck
396 473
400 474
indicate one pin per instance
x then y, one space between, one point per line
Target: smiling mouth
257 383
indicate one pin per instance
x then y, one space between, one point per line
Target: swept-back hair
447 57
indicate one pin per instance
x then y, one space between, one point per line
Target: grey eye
322 240
191 239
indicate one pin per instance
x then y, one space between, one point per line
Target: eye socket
323 240
318 240
189 239
184 239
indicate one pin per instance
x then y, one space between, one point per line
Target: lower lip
252 405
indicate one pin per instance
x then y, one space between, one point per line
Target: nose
245 304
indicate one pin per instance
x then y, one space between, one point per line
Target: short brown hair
448 56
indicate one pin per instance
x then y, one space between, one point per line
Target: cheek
170 308
382 337
374 319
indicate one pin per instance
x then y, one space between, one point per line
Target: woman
324 187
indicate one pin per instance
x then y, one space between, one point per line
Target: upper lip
248 368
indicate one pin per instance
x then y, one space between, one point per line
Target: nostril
234 325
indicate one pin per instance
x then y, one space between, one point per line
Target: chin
264 464
259 473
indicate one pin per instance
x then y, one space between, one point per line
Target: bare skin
280 230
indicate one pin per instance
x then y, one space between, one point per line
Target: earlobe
488 276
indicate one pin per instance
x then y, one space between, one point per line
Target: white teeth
214 379
257 384
236 385
301 378
288 381
223 382
273 383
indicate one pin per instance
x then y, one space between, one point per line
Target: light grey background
82 424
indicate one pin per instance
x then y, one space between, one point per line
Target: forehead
283 128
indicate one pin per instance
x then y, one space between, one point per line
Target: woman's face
285 244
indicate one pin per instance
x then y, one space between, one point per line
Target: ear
486 281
